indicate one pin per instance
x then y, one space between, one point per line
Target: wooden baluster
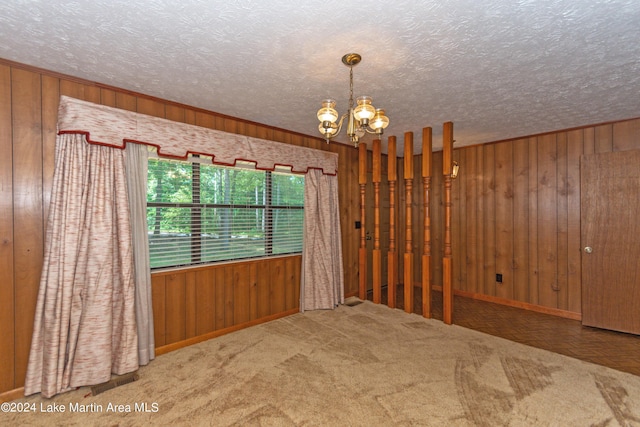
426 255
362 252
377 253
392 265
408 251
447 269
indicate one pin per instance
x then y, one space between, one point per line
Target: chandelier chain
350 87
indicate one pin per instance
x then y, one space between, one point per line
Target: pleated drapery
85 327
137 166
322 276
94 312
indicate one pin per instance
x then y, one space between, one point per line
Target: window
200 213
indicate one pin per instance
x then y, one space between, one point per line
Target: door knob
588 249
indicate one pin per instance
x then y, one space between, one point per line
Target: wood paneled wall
516 212
191 305
28 114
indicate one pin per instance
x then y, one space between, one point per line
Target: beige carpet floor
366 365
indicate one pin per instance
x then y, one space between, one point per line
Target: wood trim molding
519 304
351 294
10 395
185 343
511 303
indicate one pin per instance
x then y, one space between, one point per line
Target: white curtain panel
322 277
85 326
137 166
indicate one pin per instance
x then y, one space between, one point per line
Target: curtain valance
115 127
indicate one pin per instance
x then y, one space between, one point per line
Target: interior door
610 234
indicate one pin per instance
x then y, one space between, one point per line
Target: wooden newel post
377 253
408 251
427 147
362 252
392 265
447 269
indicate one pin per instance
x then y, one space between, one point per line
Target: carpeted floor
361 365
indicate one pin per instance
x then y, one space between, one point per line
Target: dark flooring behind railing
616 350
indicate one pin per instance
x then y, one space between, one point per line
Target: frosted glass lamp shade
328 112
380 121
364 110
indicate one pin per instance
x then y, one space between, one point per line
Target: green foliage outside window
199 213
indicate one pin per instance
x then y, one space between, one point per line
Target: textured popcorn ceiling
498 69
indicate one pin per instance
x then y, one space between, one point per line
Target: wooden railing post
377 254
447 269
362 252
408 251
426 255
392 264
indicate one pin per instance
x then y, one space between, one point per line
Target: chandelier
362 119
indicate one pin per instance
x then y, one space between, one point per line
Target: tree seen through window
200 213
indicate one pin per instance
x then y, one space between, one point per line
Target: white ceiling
498 69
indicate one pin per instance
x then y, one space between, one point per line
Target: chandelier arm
371 130
340 124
